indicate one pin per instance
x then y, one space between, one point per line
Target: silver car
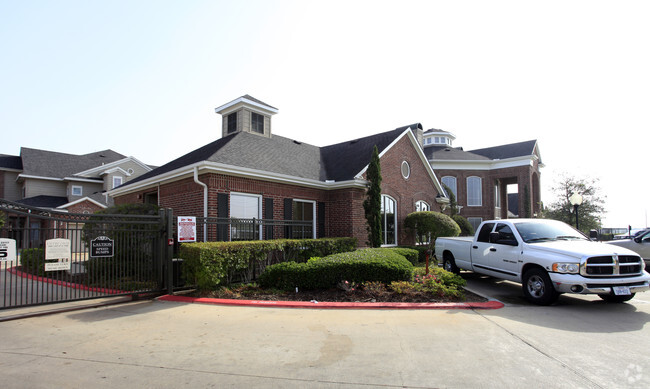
639 244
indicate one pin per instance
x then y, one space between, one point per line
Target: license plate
621 290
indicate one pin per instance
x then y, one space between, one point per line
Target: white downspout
205 202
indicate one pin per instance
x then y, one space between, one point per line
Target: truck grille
612 266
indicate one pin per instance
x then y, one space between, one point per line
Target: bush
411 254
33 261
438 282
210 264
466 228
422 253
430 225
367 265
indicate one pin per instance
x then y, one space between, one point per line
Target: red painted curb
332 305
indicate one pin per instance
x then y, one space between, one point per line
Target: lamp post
576 201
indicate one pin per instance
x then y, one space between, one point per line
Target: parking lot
581 342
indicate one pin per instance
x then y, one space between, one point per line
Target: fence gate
48 256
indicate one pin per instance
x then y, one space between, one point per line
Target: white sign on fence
58 249
7 250
186 229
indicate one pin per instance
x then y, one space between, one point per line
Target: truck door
482 246
506 253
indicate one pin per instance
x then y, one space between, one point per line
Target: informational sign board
7 250
102 247
186 229
58 249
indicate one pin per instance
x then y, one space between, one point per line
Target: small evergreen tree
372 203
453 205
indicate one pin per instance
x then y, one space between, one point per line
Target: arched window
421 206
450 181
389 220
474 192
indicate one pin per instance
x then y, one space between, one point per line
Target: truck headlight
572 268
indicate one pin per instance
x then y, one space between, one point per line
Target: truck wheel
449 264
612 298
538 288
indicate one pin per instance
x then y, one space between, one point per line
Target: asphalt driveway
579 343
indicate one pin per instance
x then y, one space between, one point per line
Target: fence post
169 249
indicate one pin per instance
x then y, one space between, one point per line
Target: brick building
252 173
490 183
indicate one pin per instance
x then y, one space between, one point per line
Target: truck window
506 236
484 234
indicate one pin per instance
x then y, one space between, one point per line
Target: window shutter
288 215
321 220
268 215
223 214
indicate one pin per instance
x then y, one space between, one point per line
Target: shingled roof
44 163
513 150
13 162
280 155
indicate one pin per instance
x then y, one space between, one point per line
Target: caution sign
186 229
59 250
7 250
102 247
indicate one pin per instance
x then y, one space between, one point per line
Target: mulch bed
338 295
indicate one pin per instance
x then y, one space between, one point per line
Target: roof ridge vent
296 142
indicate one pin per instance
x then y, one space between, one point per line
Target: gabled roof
286 157
513 150
44 201
12 162
345 160
42 163
245 100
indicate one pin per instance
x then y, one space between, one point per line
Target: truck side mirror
494 237
593 234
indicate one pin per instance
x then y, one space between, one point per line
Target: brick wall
344 213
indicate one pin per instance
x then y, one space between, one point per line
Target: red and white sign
186 229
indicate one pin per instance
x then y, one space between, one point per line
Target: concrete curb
492 304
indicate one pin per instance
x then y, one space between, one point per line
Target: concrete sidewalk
156 344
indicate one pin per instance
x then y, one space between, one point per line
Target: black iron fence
48 256
217 229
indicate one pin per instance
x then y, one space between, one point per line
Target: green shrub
422 253
33 261
466 228
411 254
210 264
430 225
438 282
381 265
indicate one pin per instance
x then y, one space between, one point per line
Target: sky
143 78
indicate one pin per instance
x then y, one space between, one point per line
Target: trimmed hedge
210 264
368 265
33 261
420 255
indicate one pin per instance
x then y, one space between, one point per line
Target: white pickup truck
548 258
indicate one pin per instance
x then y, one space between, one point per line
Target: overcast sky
143 78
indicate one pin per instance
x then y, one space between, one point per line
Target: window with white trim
475 222
77 190
450 181
257 123
117 181
389 220
245 210
474 192
422 206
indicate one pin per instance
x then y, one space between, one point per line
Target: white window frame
78 188
475 222
474 199
453 188
419 205
121 181
313 204
405 165
383 227
259 209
